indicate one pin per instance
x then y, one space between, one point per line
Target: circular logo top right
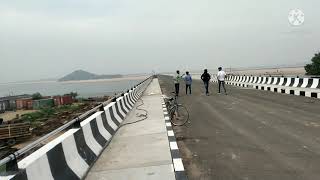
296 17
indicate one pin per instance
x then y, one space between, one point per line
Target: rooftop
15 97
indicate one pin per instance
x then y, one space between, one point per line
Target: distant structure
9 103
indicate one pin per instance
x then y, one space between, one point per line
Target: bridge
265 128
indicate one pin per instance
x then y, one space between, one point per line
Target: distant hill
84 75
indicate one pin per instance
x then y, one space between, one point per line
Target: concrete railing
71 155
309 87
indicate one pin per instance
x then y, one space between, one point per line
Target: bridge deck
141 150
249 134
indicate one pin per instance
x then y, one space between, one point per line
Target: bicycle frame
173 110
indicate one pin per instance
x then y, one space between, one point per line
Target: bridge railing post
101 108
12 165
77 124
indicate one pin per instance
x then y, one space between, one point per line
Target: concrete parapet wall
309 87
71 155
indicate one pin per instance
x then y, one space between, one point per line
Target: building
24 103
8 103
42 103
2 106
62 100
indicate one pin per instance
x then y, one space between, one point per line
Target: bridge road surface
248 134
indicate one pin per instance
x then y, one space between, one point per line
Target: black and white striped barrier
71 155
309 87
174 149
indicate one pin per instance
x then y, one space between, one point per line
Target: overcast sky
50 38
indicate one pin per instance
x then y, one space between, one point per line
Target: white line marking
174 145
166 118
170 133
11 176
178 165
168 124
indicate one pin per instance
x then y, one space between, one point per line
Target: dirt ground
248 134
48 125
8 115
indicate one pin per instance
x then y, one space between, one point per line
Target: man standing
206 78
221 76
176 79
188 81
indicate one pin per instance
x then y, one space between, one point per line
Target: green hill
84 75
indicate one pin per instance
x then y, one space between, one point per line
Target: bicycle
178 113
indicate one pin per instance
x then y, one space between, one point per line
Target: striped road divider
309 87
178 167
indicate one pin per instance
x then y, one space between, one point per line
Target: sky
42 39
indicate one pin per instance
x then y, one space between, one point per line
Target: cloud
51 38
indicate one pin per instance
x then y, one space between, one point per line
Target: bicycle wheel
179 115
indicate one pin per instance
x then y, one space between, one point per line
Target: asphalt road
248 134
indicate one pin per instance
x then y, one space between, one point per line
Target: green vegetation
36 96
44 114
3 168
73 94
314 67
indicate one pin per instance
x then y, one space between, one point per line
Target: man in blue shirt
188 80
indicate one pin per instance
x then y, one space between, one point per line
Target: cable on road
310 101
139 115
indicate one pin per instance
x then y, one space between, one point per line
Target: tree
73 95
36 96
314 67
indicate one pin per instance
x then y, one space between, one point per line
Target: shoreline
79 81
104 80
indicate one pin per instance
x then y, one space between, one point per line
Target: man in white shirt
176 79
221 77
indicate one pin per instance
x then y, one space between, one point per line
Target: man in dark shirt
206 78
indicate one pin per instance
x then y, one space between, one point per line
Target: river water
91 88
